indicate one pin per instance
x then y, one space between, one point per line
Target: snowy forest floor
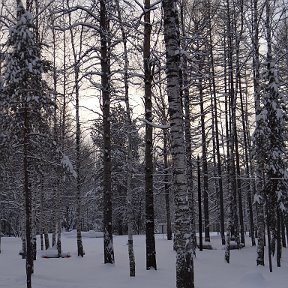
211 271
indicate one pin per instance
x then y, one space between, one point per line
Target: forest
133 117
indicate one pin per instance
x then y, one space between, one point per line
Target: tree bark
219 169
259 166
182 226
80 249
247 147
167 186
129 195
199 205
105 87
187 123
150 237
28 195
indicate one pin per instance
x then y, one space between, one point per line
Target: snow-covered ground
211 271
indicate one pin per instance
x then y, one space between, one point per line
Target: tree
76 70
150 238
182 224
105 89
216 120
274 107
259 137
129 195
27 100
187 123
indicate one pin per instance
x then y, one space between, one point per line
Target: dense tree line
190 119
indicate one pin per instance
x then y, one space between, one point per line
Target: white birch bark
182 223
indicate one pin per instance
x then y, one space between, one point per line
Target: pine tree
269 151
276 169
27 102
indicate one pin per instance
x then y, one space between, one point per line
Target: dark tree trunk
199 204
279 244
232 128
150 237
28 196
129 195
283 236
78 169
268 238
204 155
58 187
46 240
217 142
247 167
166 187
259 167
286 226
42 212
76 71
105 83
238 35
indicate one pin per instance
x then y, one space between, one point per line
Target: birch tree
182 223
274 107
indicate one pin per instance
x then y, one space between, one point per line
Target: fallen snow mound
53 253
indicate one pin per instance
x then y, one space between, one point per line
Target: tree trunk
247 147
238 35
28 196
80 250
199 205
59 172
259 166
215 108
279 243
166 186
150 237
283 236
130 155
41 212
231 129
184 92
260 231
105 87
204 166
184 262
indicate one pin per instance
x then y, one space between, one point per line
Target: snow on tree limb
67 165
156 125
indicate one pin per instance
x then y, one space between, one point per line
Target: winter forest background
143 117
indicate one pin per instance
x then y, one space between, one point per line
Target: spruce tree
27 103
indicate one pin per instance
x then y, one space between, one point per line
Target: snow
211 271
66 163
53 253
257 199
156 125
